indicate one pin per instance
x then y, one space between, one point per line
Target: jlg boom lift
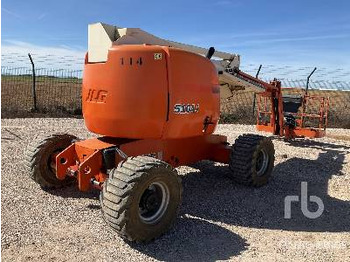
156 104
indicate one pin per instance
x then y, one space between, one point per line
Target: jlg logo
96 96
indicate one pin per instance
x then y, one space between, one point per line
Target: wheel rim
154 202
52 160
262 162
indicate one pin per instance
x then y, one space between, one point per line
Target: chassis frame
89 160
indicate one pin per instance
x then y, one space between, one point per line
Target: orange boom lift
155 104
287 115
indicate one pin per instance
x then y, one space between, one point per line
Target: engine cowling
148 91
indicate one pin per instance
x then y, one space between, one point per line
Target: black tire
252 160
38 156
126 192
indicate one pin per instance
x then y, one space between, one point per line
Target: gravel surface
218 220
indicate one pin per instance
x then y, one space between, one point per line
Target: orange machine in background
288 115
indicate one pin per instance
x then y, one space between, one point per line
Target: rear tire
140 199
252 160
39 159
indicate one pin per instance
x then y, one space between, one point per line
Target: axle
89 161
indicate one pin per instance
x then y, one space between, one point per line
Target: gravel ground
218 220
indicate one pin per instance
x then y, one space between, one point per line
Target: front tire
252 160
40 159
140 199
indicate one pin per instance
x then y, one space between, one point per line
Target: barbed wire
40 60
58 90
291 76
270 71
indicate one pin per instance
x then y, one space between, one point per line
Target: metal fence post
33 84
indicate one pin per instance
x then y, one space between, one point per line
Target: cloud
10 13
15 46
15 54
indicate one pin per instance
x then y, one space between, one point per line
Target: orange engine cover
146 91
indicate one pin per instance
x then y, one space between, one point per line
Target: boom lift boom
155 104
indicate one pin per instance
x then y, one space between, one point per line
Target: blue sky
301 33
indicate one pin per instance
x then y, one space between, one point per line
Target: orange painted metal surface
273 119
129 90
146 99
266 117
266 128
193 82
271 115
65 160
164 102
84 160
183 151
161 92
306 132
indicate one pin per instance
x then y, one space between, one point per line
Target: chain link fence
57 92
334 84
240 107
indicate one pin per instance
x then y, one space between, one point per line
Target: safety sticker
158 56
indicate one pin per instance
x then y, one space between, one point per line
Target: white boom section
102 36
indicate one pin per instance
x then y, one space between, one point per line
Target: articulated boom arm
102 36
273 92
256 81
